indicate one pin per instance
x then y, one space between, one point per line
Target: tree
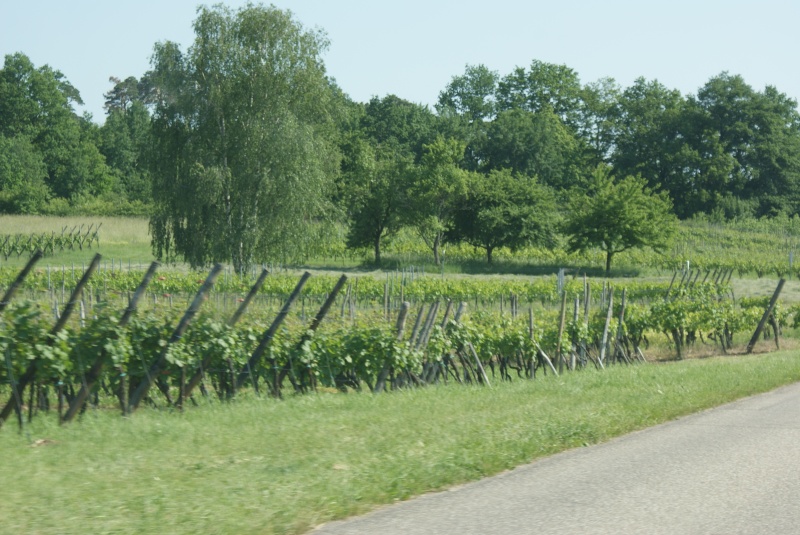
399 123
661 139
36 103
466 107
617 216
471 94
533 144
126 137
503 210
380 154
543 85
243 137
760 133
598 118
22 177
376 186
437 187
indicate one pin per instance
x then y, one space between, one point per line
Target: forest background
242 149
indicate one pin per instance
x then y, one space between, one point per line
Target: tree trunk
609 256
436 259
489 251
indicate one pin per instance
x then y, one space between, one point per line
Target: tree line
241 148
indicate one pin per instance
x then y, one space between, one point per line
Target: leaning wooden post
574 352
380 383
530 335
478 362
198 374
427 327
669 289
20 279
462 308
161 359
618 343
97 367
417 324
765 317
269 334
248 298
323 311
14 391
559 355
604 342
30 372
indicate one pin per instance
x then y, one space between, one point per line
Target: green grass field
261 466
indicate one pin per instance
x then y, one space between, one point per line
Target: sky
414 48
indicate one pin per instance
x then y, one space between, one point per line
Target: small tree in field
503 210
617 216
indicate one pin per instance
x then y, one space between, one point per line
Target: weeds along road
731 470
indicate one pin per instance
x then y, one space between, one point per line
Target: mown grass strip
266 466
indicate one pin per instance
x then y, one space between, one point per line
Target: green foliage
36 115
243 138
617 216
435 192
470 95
501 210
22 177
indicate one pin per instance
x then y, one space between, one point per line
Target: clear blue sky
413 48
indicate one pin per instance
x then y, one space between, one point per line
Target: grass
266 466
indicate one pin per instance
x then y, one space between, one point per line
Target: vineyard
17 245
73 338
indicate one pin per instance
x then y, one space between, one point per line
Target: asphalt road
731 470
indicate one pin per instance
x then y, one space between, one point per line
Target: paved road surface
731 470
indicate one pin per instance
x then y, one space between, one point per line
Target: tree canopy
243 138
503 210
615 216
240 148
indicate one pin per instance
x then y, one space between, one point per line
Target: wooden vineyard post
14 391
198 374
97 367
530 335
30 372
417 323
483 375
248 298
424 335
619 349
323 311
559 355
269 334
158 363
574 354
666 295
431 369
19 280
604 342
765 317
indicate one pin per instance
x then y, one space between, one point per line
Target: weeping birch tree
243 135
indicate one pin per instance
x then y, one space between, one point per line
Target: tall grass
265 466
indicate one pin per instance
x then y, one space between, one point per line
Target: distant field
760 251
121 238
